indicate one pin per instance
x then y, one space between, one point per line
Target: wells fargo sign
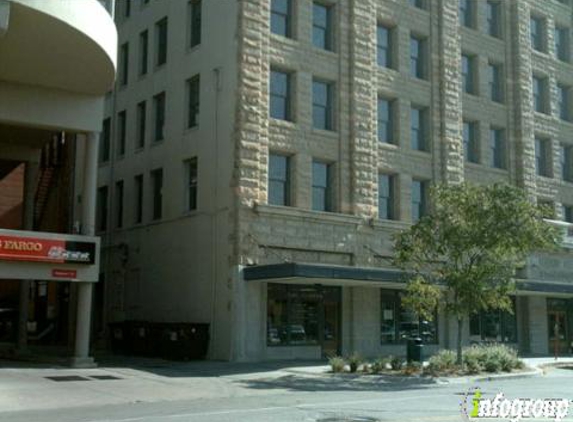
16 248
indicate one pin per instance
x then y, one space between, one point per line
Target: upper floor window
419 128
563 102
138 209
385 120
540 90
537 31
101 208
280 95
467 13
493 14
321 186
386 197
143 51
191 184
279 180
419 199
105 144
568 213
193 96
562 43
495 82
469 74
157 194
281 17
418 58
161 34
420 4
126 9
195 13
119 204
322 31
322 105
121 132
124 64
384 44
141 123
543 162
470 138
567 162
498 148
159 112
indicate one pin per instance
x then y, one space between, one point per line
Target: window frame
329 114
498 161
419 61
141 117
543 162
471 141
287 17
327 43
119 197
191 166
285 181
193 85
156 178
390 199
161 41
422 205
420 142
494 19
277 95
159 112
195 22
139 196
328 203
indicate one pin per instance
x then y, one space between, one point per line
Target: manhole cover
64 378
104 377
348 419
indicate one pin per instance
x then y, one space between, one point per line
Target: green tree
464 254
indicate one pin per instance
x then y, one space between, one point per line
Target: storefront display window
494 326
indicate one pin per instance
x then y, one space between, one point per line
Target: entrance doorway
304 315
557 326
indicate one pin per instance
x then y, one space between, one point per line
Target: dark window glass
105 144
385 120
143 48
537 29
419 198
562 45
542 157
322 26
384 46
470 138
141 122
567 163
495 78
563 94
119 204
420 4
469 82
124 64
157 193
126 8
418 57
121 132
281 17
101 210
399 324
280 91
494 18
195 22
161 30
279 183
418 128
159 111
193 86
386 197
191 176
568 213
321 186
138 211
322 105
494 326
498 148
467 13
540 95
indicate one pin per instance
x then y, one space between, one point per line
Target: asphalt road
296 398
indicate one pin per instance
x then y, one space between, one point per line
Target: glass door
331 322
558 334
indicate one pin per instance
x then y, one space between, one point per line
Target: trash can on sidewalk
184 341
414 350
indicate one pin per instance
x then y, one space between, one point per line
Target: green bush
473 359
491 358
337 363
443 361
396 362
354 361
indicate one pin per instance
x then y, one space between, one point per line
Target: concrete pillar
30 177
85 290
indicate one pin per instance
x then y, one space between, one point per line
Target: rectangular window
420 4
495 82
322 36
195 19
281 17
471 144
143 52
157 193
105 144
322 105
124 64
418 57
141 122
543 157
568 213
399 324
498 148
119 204
321 186
159 112
540 94
419 199
126 8
279 180
386 115
494 326
384 46
567 163
563 102
161 34
562 43
469 74
419 128
138 208
537 29
467 13
121 132
494 18
193 95
386 197
101 210
191 184
280 92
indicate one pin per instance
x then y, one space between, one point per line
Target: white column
30 177
83 321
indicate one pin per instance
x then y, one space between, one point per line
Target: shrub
354 361
381 364
396 362
443 361
491 358
337 363
412 367
473 359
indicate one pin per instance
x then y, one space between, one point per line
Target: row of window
280 186
161 42
468 13
159 113
544 159
541 96
155 197
540 38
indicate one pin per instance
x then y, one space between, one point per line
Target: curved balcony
68 45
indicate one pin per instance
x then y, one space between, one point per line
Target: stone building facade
381 97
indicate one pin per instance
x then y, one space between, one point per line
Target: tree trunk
459 341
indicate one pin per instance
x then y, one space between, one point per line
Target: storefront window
399 324
494 326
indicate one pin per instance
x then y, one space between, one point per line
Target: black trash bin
184 341
118 337
414 350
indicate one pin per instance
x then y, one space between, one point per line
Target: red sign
58 273
16 248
